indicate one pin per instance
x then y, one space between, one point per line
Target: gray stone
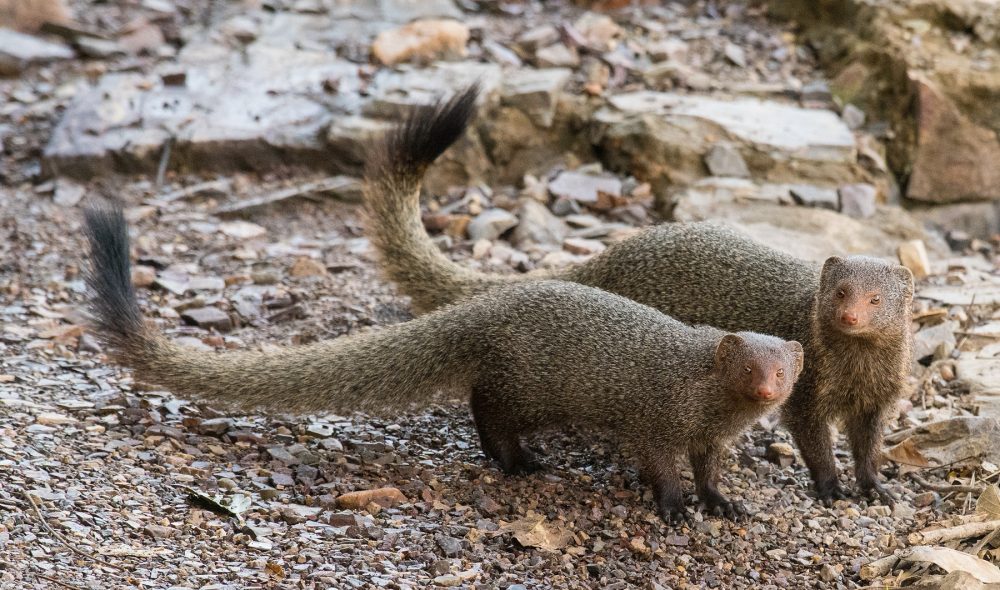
540 36
19 51
857 200
208 318
257 111
853 117
450 546
396 91
490 224
808 195
557 56
397 11
584 188
99 48
535 92
68 193
538 225
735 54
927 341
816 91
348 136
725 160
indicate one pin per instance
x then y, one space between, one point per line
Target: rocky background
234 133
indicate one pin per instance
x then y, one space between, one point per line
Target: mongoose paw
830 492
522 466
722 507
877 491
674 514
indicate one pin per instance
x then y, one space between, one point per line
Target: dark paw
674 514
722 507
523 465
877 491
830 492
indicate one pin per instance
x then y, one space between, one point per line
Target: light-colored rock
725 160
808 195
809 233
857 200
583 246
584 188
208 318
421 41
538 225
781 454
927 341
30 15
853 117
599 30
662 137
557 56
490 224
535 92
913 255
19 51
68 193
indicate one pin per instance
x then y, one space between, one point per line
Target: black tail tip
424 134
113 303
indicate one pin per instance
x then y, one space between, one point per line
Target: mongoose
852 315
533 356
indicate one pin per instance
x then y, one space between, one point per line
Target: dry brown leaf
532 532
275 569
951 560
907 453
989 501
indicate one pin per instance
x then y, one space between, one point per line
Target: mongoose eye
781 372
747 369
841 294
876 300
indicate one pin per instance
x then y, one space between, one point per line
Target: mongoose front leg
662 473
811 433
864 430
707 466
500 437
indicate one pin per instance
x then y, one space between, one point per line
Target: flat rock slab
812 134
665 137
19 51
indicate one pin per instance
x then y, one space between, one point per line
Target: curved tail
395 168
376 370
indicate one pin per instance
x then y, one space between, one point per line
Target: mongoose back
852 315
534 356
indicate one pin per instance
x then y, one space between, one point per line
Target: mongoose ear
796 350
906 277
727 345
829 265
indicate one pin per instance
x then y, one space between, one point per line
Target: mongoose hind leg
864 430
661 472
500 434
706 462
811 431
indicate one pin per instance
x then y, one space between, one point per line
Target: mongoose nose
765 392
850 318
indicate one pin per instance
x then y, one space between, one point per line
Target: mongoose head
863 296
758 368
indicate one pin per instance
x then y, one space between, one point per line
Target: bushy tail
376 370
395 168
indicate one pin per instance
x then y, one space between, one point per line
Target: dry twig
64 540
944 488
962 531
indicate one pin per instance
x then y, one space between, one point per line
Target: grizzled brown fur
541 355
700 273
